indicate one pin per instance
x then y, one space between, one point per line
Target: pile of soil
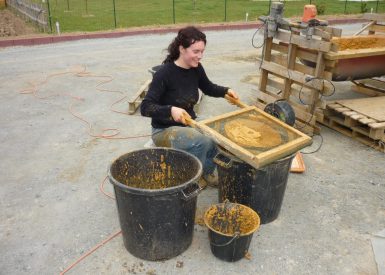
360 42
12 25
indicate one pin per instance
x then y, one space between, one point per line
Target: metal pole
377 6
346 1
173 11
225 10
113 1
49 16
268 12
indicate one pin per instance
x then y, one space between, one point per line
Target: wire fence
35 12
95 15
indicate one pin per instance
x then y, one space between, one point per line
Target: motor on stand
275 20
309 21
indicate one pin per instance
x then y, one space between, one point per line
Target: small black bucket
261 189
231 227
156 194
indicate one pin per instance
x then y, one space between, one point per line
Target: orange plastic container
309 12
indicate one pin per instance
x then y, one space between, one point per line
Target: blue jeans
189 140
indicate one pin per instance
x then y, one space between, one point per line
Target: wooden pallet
294 68
136 100
355 125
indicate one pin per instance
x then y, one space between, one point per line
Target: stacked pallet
361 119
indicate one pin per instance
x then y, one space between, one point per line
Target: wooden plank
367 120
364 28
346 54
370 82
377 125
281 47
282 60
295 76
283 150
376 133
336 32
342 109
369 91
372 107
358 116
324 35
303 42
334 105
290 65
377 28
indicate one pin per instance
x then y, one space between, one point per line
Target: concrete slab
52 210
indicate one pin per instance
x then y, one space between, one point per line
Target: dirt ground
52 209
13 25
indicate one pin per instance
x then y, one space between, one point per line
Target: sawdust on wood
252 132
359 42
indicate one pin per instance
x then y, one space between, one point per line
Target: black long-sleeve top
176 86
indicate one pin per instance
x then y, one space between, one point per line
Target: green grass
94 15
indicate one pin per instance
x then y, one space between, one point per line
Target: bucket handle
236 236
193 193
221 162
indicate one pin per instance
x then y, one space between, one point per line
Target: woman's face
191 56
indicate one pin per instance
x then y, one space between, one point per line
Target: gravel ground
52 210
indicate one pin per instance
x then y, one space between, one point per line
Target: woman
174 92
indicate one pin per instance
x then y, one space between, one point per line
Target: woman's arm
151 105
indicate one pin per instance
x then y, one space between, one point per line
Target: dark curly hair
185 38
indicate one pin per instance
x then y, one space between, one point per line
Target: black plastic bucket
156 194
261 189
231 227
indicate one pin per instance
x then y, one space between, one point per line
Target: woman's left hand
232 93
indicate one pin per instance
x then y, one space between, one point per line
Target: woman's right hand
179 115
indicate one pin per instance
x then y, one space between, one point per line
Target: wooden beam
301 41
377 28
295 76
364 28
346 54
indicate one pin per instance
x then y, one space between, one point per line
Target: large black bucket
156 194
261 189
231 227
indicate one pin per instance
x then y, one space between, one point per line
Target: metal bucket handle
236 236
221 162
193 193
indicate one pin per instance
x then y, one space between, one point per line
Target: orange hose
101 188
107 133
91 251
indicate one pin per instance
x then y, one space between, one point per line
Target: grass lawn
94 15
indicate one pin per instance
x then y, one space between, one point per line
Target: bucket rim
154 192
258 224
229 155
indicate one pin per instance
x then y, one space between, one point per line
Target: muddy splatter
229 219
252 132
